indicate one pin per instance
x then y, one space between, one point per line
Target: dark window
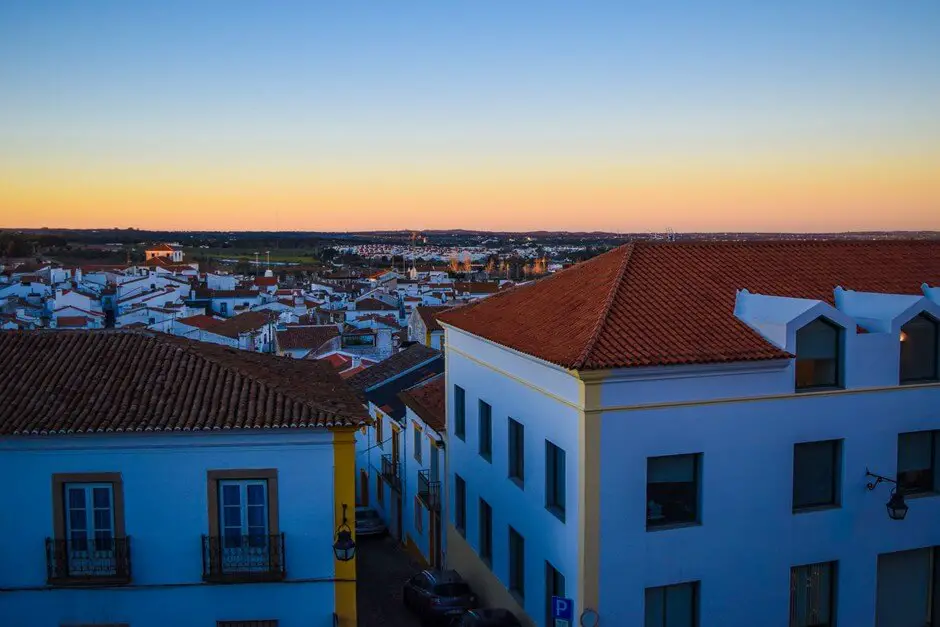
919 345
554 587
460 412
460 505
672 490
516 564
417 442
818 348
555 480
486 431
486 532
517 452
358 340
917 461
672 606
811 595
816 473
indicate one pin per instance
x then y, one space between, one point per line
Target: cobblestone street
382 569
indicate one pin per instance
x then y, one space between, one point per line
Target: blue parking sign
562 611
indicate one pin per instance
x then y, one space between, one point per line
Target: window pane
102 497
680 605
77 498
232 537
102 519
256 494
232 516
811 595
919 349
655 608
77 519
817 355
814 474
916 461
256 516
672 490
231 495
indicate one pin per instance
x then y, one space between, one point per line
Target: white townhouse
423 326
424 447
381 459
161 481
168 252
703 435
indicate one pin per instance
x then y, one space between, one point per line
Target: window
908 590
816 474
516 564
917 461
417 441
486 532
379 490
818 348
223 308
419 516
379 435
460 413
555 480
811 595
358 340
460 505
517 452
486 431
88 525
672 606
672 490
554 587
243 523
919 345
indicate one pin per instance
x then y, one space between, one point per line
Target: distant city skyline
484 116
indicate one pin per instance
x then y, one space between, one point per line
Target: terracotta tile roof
201 321
429 316
71 322
427 401
312 337
345 374
337 361
266 281
397 364
58 382
648 304
243 323
162 248
373 304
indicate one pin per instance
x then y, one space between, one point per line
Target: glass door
243 516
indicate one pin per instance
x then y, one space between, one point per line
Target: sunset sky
487 114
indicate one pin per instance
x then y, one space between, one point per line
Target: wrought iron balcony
233 558
391 472
88 562
429 491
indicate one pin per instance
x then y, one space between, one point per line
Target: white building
166 482
423 326
679 434
170 252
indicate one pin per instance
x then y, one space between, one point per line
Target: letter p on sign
562 611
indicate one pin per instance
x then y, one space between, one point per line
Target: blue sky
104 102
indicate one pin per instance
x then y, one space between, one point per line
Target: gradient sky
492 114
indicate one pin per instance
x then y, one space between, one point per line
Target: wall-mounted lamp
897 508
344 547
903 336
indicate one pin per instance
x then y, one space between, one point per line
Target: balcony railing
88 562
391 472
429 491
234 558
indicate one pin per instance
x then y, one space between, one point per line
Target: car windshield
451 589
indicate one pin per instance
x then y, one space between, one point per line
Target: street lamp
897 508
344 547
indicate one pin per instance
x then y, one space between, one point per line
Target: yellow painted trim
414 423
753 399
344 492
589 507
528 384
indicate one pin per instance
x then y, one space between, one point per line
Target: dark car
489 617
438 596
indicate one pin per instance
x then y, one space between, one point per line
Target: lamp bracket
878 479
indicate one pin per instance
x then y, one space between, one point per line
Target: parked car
438 596
368 522
488 617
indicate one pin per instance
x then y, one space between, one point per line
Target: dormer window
818 355
919 345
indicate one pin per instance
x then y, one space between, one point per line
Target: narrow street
382 569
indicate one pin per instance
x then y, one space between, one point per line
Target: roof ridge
608 302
